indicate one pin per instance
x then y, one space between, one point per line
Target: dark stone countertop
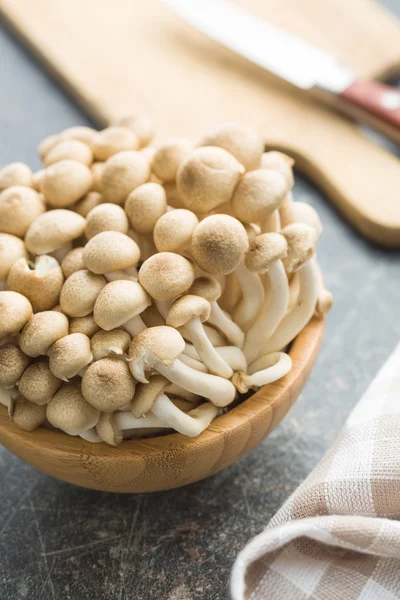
65 543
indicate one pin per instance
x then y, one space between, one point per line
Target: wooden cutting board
120 57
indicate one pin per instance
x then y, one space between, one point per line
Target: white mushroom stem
220 391
208 354
272 223
286 210
272 313
277 365
301 313
232 354
224 323
193 362
252 298
134 325
163 307
126 420
192 423
294 290
176 390
91 435
7 394
60 253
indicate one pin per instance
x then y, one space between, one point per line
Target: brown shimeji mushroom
19 208
120 304
108 385
41 331
72 262
15 312
207 178
13 363
174 230
210 289
110 343
146 394
189 312
53 230
88 202
65 182
69 355
145 205
110 251
158 349
107 429
244 143
70 149
25 414
113 140
69 411
12 248
86 325
38 384
79 293
168 157
106 217
122 173
265 256
15 174
40 282
141 125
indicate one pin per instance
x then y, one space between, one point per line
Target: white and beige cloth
338 536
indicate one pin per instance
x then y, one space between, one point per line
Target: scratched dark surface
59 542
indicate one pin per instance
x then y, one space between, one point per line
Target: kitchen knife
294 60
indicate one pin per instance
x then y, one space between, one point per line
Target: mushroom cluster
143 289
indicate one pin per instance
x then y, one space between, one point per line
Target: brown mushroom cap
69 150
41 331
186 308
53 230
118 302
110 251
38 384
15 311
47 143
166 275
16 173
40 283
88 202
219 244
305 213
86 325
12 248
19 207
109 343
141 125
25 414
174 230
146 394
108 384
72 262
173 197
302 240
324 303
64 182
13 363
107 429
69 411
166 343
145 205
168 157
277 161
258 195
264 250
106 217
82 133
207 178
113 140
69 355
123 173
206 287
244 143
79 293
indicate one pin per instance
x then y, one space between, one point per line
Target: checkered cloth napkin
338 535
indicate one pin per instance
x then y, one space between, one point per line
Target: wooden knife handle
376 104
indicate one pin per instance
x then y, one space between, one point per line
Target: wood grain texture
174 460
142 59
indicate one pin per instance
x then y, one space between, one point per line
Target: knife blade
293 59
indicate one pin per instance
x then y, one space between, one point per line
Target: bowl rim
266 402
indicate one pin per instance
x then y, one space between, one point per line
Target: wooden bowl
169 461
